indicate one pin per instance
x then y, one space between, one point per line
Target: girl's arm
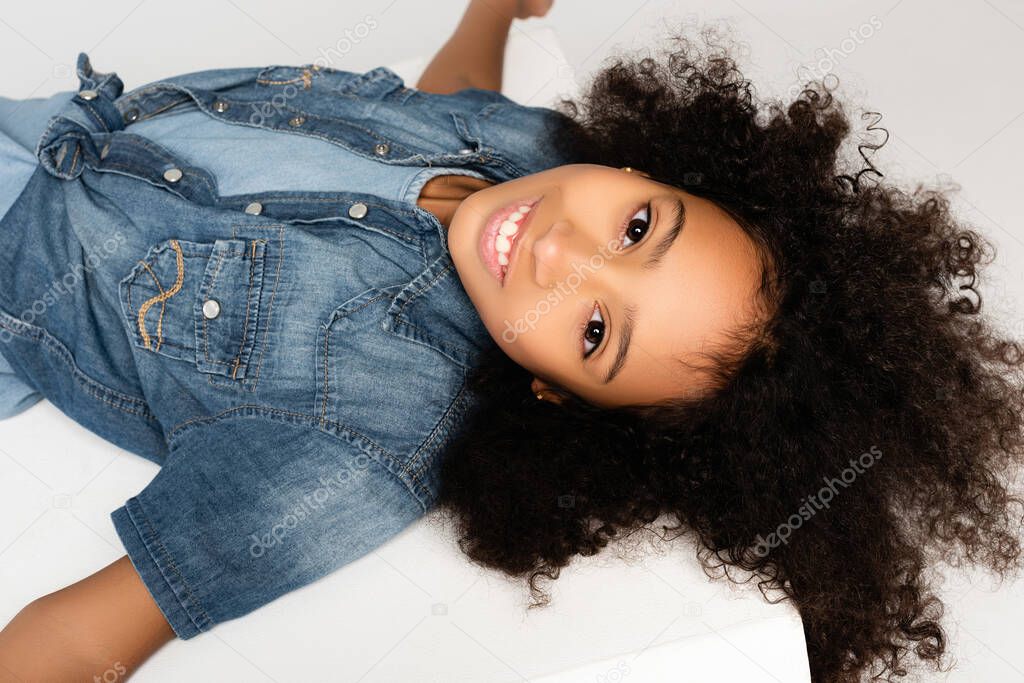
475 54
106 622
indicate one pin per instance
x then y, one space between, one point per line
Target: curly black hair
867 429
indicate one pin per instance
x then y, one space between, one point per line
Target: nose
557 250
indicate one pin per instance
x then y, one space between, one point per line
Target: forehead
705 288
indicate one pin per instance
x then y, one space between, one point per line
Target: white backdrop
944 75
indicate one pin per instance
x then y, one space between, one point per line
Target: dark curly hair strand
874 346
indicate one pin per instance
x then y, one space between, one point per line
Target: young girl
552 325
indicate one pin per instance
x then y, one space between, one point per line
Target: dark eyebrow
629 312
659 250
625 333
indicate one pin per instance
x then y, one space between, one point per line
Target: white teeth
508 228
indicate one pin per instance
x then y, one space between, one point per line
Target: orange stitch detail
163 296
266 81
163 306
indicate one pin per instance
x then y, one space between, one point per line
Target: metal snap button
172 175
254 208
357 210
131 116
381 148
88 94
296 121
220 106
211 309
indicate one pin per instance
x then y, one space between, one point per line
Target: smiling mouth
501 233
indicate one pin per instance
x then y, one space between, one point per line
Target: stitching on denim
383 458
489 109
367 201
418 459
327 365
263 81
439 345
170 561
163 155
273 293
100 391
163 305
46 139
330 119
145 91
151 114
327 346
134 172
179 263
306 77
173 433
74 159
212 287
248 305
96 115
63 152
137 99
421 290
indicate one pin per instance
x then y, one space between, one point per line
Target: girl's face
601 295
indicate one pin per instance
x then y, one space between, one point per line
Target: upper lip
513 258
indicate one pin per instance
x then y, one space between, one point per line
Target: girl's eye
593 331
636 228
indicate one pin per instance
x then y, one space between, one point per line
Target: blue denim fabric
21 124
246 159
297 370
15 395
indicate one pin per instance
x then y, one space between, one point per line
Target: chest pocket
200 302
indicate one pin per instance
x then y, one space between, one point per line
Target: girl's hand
520 9
474 56
524 9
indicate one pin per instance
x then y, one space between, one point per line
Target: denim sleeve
249 507
519 133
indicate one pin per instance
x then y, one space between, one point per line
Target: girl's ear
539 386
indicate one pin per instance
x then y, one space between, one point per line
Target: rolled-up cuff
157 570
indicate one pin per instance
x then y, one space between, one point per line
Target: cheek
535 337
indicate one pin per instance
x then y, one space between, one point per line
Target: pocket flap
198 302
227 306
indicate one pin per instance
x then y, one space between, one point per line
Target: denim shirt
294 359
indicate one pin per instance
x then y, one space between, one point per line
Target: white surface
946 77
414 610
